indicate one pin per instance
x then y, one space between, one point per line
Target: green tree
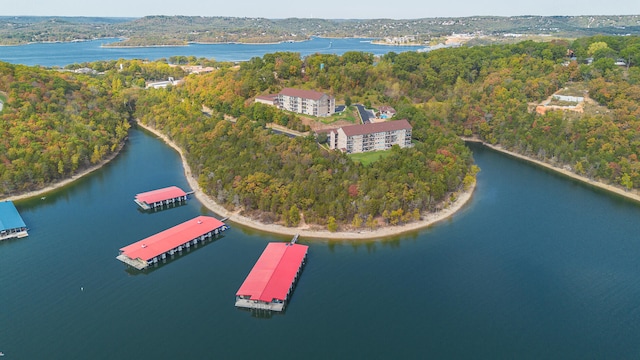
597 46
294 216
626 181
332 225
371 223
357 221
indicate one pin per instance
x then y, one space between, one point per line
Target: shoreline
392 44
188 43
631 195
67 181
364 234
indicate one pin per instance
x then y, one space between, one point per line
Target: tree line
54 125
57 123
487 92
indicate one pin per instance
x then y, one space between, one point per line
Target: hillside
177 30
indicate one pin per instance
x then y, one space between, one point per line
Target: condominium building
307 102
371 137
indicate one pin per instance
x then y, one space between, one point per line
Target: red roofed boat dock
155 248
273 277
160 197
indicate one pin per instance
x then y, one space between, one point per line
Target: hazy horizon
331 9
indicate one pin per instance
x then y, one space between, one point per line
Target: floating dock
272 279
160 197
157 247
11 223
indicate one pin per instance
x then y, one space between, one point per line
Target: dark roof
9 216
305 94
372 128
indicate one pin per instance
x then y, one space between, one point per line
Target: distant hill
174 30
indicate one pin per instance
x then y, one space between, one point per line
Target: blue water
536 266
61 54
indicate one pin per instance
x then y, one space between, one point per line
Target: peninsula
307 231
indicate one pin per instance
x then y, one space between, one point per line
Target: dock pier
157 247
159 198
11 223
273 277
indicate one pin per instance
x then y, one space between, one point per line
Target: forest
55 124
62 121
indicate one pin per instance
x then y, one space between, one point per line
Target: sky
327 9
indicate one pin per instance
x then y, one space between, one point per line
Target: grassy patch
350 115
574 89
370 157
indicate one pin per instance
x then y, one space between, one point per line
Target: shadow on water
161 208
171 258
262 314
8 241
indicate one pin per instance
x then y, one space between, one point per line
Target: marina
564 285
11 223
158 247
272 279
155 199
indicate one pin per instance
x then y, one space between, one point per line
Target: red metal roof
158 195
372 128
274 272
164 241
305 94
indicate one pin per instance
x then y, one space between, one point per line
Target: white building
307 102
576 99
163 84
371 137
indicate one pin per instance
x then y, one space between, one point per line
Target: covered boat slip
148 251
157 198
272 279
11 223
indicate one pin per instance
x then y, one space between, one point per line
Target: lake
61 54
535 266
